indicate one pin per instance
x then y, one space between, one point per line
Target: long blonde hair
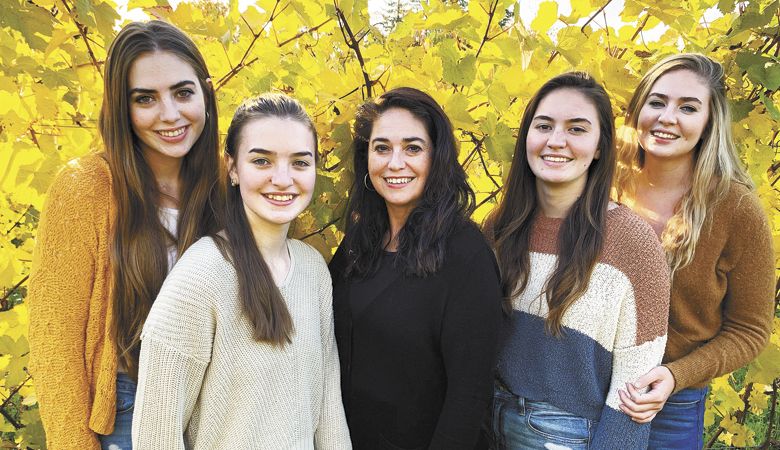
716 162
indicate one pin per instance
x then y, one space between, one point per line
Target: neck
271 238
667 174
397 218
166 171
556 201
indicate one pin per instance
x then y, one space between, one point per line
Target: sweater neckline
289 274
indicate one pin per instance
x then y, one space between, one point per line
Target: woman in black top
416 293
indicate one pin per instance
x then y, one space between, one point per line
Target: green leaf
770 107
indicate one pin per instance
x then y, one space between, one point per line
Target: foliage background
479 59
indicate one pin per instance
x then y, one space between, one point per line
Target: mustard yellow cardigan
73 357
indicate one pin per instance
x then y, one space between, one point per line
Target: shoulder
742 206
632 246
84 178
203 262
468 249
307 256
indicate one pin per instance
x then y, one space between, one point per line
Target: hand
643 407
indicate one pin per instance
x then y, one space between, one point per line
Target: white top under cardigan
205 383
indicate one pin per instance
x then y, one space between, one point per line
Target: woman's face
562 140
399 159
275 169
167 106
674 115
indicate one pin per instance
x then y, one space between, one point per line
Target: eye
656 104
185 93
143 99
414 149
578 130
688 109
543 127
261 161
381 148
301 163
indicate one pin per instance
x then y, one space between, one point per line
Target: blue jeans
121 439
680 424
522 424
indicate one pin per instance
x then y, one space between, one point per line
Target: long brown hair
139 260
581 235
260 299
716 161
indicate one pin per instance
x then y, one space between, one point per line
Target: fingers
647 379
637 413
651 397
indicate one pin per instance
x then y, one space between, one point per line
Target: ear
597 155
231 165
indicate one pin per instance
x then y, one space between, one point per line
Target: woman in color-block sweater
416 294
238 350
111 228
683 176
585 279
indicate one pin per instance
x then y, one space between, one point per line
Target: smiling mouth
663 135
172 133
279 197
399 180
557 159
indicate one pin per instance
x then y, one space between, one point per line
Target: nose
557 138
281 176
668 115
397 161
169 110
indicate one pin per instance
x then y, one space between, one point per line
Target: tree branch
582 30
352 43
83 32
491 14
320 230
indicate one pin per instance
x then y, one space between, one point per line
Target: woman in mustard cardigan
112 226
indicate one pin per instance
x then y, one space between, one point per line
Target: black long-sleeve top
418 354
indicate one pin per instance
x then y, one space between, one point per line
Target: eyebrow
406 139
263 151
173 87
684 99
574 120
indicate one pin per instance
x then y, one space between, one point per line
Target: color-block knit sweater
205 383
73 356
721 310
611 335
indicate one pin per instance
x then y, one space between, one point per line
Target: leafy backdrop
478 58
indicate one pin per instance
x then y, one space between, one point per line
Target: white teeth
399 180
663 135
559 159
280 198
172 133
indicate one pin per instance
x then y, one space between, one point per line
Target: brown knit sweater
721 310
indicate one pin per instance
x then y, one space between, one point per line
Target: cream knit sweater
205 383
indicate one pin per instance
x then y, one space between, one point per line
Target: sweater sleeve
332 431
74 220
176 346
747 308
639 342
469 342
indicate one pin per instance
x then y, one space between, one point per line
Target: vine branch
352 43
83 32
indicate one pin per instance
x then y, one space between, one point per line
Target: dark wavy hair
582 233
261 300
447 200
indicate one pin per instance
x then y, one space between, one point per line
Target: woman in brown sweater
681 173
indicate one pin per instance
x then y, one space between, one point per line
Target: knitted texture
611 335
205 383
73 356
722 304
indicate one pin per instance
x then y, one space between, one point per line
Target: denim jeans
680 424
120 439
522 424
